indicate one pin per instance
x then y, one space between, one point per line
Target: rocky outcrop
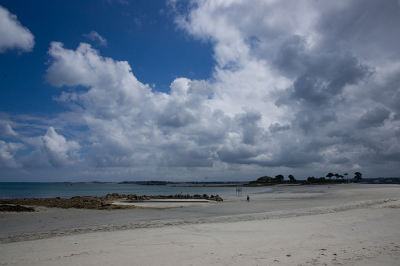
216 198
86 202
97 203
15 208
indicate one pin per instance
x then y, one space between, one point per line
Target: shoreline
367 212
77 230
112 201
280 202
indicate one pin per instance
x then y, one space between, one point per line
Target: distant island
330 178
182 184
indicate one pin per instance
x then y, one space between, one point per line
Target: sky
200 90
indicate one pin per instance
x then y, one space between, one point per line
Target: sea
51 190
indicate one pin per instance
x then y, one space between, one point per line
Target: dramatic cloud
299 87
128 123
51 149
12 34
374 118
95 37
323 71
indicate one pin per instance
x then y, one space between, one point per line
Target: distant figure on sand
248 198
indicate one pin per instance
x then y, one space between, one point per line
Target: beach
343 224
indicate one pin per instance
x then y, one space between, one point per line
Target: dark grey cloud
291 57
339 160
276 127
318 143
241 154
383 157
373 118
176 116
309 120
366 27
289 156
325 77
214 131
111 153
35 159
249 122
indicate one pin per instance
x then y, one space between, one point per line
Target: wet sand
349 224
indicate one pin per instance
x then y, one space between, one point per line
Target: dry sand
352 224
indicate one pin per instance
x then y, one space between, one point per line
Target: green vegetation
279 178
271 180
266 180
357 176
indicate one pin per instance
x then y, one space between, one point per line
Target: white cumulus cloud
298 87
51 149
7 154
12 34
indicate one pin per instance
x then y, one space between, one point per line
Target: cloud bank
298 88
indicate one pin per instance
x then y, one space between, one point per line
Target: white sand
165 203
350 224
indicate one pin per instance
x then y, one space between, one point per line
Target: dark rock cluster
86 202
15 208
116 196
97 203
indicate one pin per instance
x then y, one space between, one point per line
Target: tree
292 179
346 174
337 176
264 179
322 179
357 176
329 175
279 178
342 177
311 179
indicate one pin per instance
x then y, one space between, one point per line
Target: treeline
276 179
329 178
338 178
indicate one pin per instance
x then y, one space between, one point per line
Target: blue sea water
52 190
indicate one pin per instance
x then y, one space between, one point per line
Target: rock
132 196
15 208
92 202
105 204
218 198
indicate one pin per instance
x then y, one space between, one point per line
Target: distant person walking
248 198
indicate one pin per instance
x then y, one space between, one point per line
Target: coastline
112 201
311 216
